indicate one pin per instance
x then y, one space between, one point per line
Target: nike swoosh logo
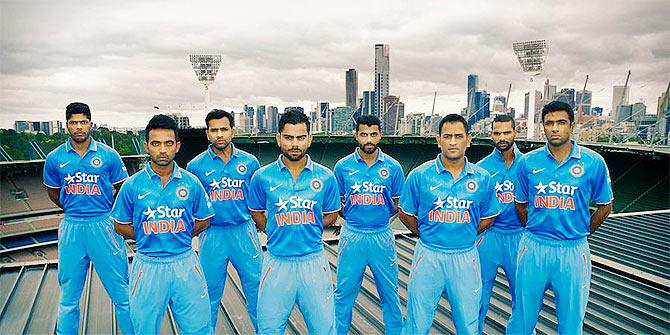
63 165
209 172
140 197
477 290
493 175
117 252
256 256
203 296
538 170
353 173
433 188
274 188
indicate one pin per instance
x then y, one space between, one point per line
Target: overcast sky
124 59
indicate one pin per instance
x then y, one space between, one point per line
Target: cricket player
81 177
498 245
447 202
556 185
291 200
162 207
370 183
225 172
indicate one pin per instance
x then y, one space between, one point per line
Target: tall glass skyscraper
351 88
381 78
473 87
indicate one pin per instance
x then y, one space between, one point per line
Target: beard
503 146
222 146
368 148
292 157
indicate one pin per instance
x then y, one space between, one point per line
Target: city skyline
124 60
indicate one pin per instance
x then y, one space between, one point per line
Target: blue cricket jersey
369 191
86 182
227 184
163 217
558 195
448 209
294 209
503 180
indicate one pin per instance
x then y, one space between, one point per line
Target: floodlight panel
206 67
531 54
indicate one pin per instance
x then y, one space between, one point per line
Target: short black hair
451 118
217 114
368 120
161 121
504 118
556 106
77 108
293 117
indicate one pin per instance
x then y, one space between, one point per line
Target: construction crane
580 108
507 98
432 113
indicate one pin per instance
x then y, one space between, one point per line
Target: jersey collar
576 151
439 167
175 171
93 146
380 156
309 166
214 156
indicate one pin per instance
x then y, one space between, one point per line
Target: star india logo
182 193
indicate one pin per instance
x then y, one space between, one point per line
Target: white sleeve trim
255 210
490 216
207 217
121 180
121 222
49 186
404 211
521 202
335 211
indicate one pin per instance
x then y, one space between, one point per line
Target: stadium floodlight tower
531 55
206 67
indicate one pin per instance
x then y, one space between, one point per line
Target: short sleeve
409 197
602 184
122 211
50 174
398 181
202 208
118 171
331 195
256 198
339 177
521 188
490 204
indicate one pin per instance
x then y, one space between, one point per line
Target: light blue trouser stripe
454 272
565 266
239 245
80 241
176 281
498 248
305 280
376 249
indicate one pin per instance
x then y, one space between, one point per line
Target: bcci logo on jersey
82 183
96 162
163 220
450 210
555 195
296 210
226 189
367 193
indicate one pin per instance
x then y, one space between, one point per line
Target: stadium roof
630 293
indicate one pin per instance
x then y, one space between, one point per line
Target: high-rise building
23 126
250 118
638 111
663 117
368 103
583 100
549 92
326 116
182 121
538 106
395 111
261 124
351 88
473 87
567 95
481 109
381 78
294 109
342 119
273 119
620 96
498 105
